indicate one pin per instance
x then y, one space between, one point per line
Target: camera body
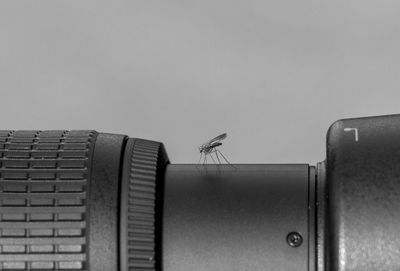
363 194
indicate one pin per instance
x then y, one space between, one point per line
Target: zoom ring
43 194
139 207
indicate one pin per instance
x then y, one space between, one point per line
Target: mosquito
210 147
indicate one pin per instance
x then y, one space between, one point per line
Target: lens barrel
251 217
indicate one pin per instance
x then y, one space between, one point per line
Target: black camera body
363 194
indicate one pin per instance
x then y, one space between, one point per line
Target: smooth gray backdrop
272 74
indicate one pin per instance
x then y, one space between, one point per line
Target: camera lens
82 200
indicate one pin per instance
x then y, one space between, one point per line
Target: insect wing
218 138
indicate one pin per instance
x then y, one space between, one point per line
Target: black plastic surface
104 202
321 218
236 219
363 177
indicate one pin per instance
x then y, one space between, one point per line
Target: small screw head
294 239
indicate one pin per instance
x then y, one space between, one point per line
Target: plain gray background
272 74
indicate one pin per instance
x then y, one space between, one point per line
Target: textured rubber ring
44 180
141 205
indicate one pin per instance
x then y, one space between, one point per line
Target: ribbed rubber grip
43 199
141 204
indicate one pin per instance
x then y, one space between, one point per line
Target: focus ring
43 199
141 204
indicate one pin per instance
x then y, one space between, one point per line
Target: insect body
210 147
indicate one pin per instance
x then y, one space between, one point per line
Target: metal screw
294 239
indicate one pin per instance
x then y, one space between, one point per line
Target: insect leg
225 158
212 157
216 154
198 163
201 154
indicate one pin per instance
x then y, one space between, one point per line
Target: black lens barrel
250 217
82 200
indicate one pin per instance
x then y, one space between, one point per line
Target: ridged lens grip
141 205
44 179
